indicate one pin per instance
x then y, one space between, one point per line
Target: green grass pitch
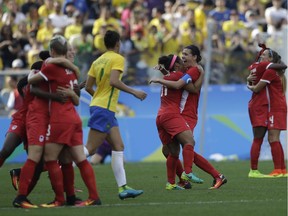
241 196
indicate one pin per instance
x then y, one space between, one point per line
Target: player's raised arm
117 83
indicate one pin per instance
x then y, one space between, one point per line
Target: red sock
171 164
179 169
276 154
88 176
255 153
2 160
68 178
56 178
32 185
203 164
188 157
283 164
27 173
36 176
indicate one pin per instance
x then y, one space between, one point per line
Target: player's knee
118 147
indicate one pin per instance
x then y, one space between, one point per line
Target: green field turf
240 196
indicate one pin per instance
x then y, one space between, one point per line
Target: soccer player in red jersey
191 58
189 107
258 106
16 133
36 132
272 111
172 127
65 158
65 127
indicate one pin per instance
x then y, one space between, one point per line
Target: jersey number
271 119
72 83
164 91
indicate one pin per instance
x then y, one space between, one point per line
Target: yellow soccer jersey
105 95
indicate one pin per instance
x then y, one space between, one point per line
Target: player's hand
82 84
140 95
77 88
59 97
66 92
251 78
154 80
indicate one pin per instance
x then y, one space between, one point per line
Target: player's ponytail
276 58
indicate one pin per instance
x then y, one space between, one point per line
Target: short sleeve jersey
60 76
170 98
105 95
258 69
28 97
189 102
275 93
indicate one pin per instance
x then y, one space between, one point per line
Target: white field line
190 203
171 203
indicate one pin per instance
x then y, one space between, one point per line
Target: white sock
117 163
86 152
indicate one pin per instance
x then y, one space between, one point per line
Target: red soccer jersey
40 105
18 100
189 102
170 98
258 69
275 93
21 112
59 76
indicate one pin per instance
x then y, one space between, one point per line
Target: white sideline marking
188 203
166 203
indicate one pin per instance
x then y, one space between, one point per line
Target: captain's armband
187 78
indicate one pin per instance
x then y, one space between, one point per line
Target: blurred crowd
149 29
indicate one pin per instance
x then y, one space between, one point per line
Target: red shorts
36 126
169 125
18 127
65 133
258 116
277 120
192 122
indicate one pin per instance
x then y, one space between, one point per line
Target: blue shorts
102 119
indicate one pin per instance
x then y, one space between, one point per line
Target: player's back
106 96
275 92
60 76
